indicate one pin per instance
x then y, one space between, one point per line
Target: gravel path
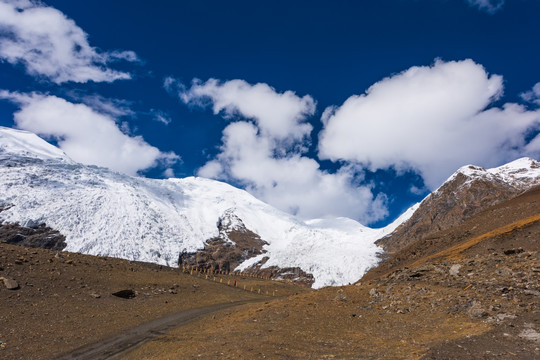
128 340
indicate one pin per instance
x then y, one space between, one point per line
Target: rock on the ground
11 284
125 294
454 270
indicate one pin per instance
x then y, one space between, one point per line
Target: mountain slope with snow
465 193
101 212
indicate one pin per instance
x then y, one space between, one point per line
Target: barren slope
478 298
65 301
467 192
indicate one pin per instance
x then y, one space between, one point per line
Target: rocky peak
229 222
468 191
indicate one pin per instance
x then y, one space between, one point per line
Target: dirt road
127 341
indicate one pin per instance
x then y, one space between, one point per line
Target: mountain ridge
466 192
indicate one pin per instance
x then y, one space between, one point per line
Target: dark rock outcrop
36 237
234 245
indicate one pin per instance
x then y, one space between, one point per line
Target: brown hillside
454 202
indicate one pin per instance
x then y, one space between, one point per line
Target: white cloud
113 107
160 116
168 173
50 45
430 119
87 136
532 95
489 6
279 115
265 152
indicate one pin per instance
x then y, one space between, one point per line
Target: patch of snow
518 171
522 173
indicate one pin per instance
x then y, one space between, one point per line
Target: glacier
106 213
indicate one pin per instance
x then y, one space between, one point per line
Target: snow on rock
518 172
101 212
521 173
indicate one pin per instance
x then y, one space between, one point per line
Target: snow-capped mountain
468 191
101 212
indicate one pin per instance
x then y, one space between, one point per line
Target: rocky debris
293 275
482 282
95 295
125 294
477 311
513 251
10 284
341 296
39 236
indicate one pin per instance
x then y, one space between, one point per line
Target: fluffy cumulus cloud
86 135
277 115
489 6
264 149
52 46
431 119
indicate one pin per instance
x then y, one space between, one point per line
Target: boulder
125 294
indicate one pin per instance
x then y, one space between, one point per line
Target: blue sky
350 108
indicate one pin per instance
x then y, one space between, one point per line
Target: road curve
132 338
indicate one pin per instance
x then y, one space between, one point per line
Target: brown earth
505 217
468 293
64 300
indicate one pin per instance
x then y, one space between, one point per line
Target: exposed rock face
232 246
469 191
235 244
293 275
39 236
